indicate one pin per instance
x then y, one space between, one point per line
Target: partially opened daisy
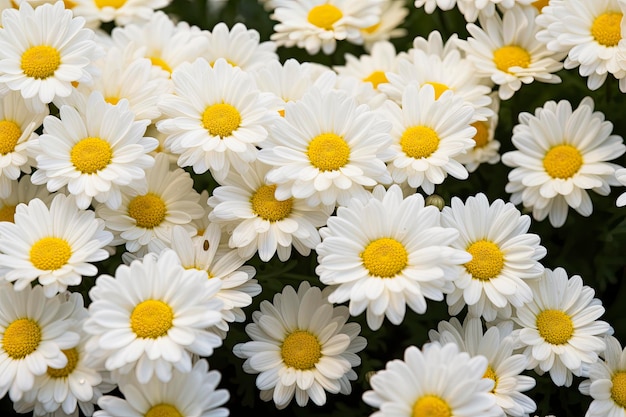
559 330
44 50
386 253
301 347
434 381
561 153
152 317
56 246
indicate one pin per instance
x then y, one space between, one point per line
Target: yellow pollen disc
324 16
50 253
21 338
116 4
562 161
163 410
40 61
419 142
439 88
69 4
482 133
431 406
371 29
151 319
328 152
112 100
540 4
148 210
301 350
555 326
606 28
72 361
511 56
376 77
91 154
265 205
487 260
385 257
10 133
221 119
75 84
491 374
618 390
7 214
281 112
158 62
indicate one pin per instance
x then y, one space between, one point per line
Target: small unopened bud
369 375
435 200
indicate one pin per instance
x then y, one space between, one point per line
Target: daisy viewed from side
301 347
561 153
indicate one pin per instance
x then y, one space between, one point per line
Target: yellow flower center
328 152
324 16
439 88
371 29
112 100
116 4
50 253
511 56
431 406
555 326
487 260
618 390
10 133
21 338
69 4
419 142
163 410
491 374
265 205
148 210
159 62
91 154
72 361
151 319
385 257
40 61
482 133
7 214
540 4
606 28
221 119
376 77
281 112
301 350
562 161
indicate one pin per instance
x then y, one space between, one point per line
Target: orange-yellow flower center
151 319
301 350
159 62
324 16
606 28
618 390
487 260
555 326
385 257
91 154
328 152
431 406
148 210
511 56
376 77
419 142
10 133
221 119
439 88
482 133
491 374
72 361
40 61
50 253
540 4
21 338
7 213
562 161
163 410
116 4
266 206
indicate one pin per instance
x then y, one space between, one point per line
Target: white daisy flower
44 50
435 45
428 133
216 118
559 330
122 12
504 256
326 149
430 5
24 192
436 380
192 393
145 219
474 9
319 24
301 347
392 16
561 153
94 153
504 366
620 176
33 331
386 253
505 50
152 317
56 246
371 68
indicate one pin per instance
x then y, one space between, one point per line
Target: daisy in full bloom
301 347
44 50
247 207
561 153
56 246
122 12
505 367
151 317
24 191
386 253
504 256
438 380
371 68
326 149
33 331
192 393
216 118
558 329
506 51
428 133
319 24
392 16
94 153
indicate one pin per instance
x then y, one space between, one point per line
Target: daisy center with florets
491 374
148 210
328 152
482 134
159 62
376 77
487 260
562 161
301 350
91 154
539 4
151 319
163 410
7 214
116 4
50 253
21 338
419 142
266 206
385 257
72 361
555 326
511 56
10 133
324 16
431 406
439 88
606 28
618 390
40 61
221 119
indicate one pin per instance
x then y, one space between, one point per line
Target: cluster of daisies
189 151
